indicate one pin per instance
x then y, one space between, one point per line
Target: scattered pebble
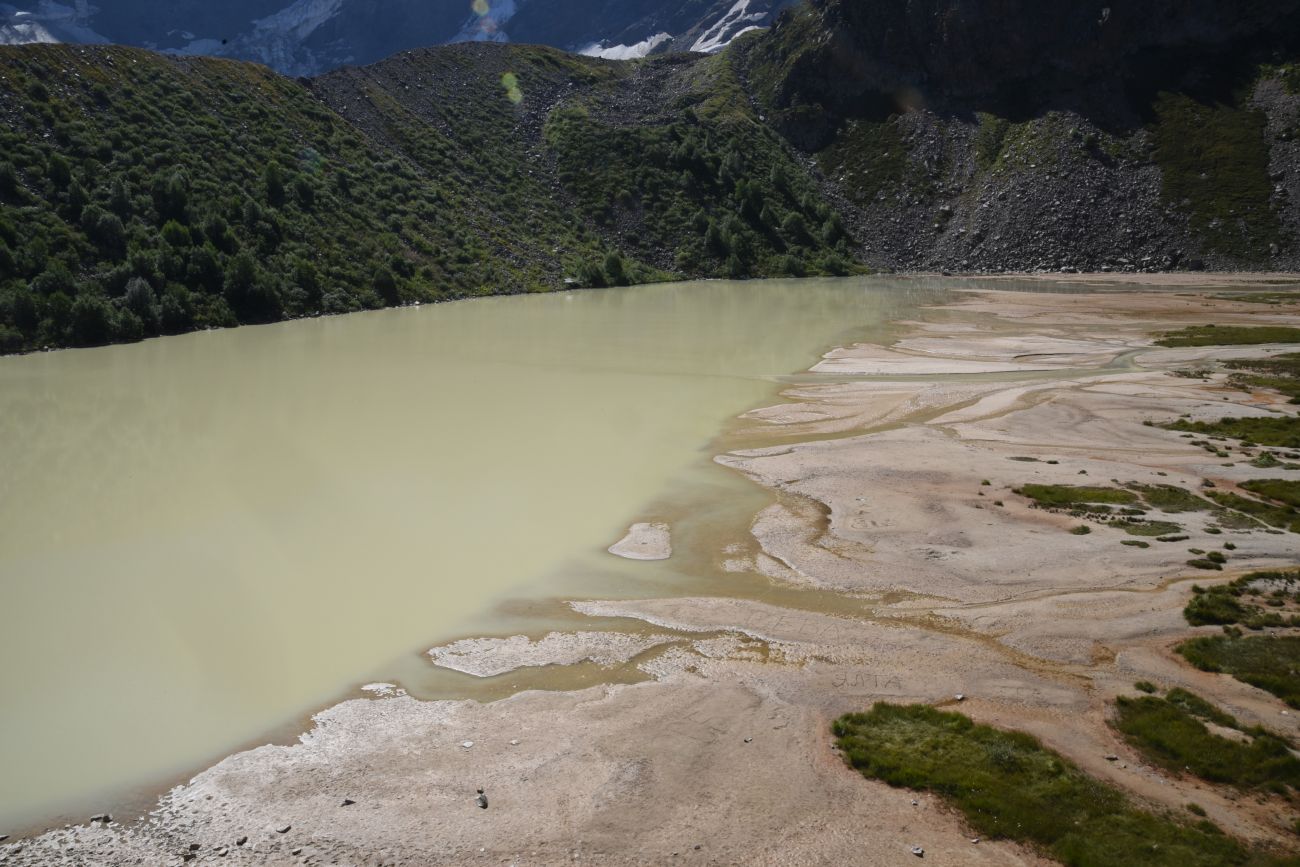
241 841
347 802
481 800
101 817
975 839
1112 758
283 829
960 696
467 744
918 851
515 742
749 740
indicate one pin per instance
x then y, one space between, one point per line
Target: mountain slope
1046 135
143 194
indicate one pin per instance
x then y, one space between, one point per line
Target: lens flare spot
480 7
510 82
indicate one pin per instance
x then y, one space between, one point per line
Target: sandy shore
893 490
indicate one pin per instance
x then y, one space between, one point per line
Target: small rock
697 847
101 817
467 744
749 740
975 839
960 696
221 852
916 803
241 841
297 851
481 800
347 802
283 829
3 837
918 851
1112 758
515 742
194 847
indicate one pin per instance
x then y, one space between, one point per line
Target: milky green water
204 537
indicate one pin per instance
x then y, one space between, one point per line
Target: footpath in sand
895 562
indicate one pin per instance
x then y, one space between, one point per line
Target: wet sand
922 583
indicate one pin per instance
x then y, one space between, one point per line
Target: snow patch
626 52
297 20
48 22
728 27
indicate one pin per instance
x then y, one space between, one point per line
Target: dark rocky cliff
1014 134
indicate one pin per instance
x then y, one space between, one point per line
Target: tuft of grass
1134 543
1145 686
1008 785
1081 530
1171 732
1269 662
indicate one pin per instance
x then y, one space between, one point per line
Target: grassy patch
1282 516
1149 528
1281 490
1171 498
1008 785
1171 732
1066 496
1277 431
1255 601
1229 335
1271 663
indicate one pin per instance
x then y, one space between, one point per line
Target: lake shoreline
928 584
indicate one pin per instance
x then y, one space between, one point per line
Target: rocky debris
918 851
241 841
481 800
283 829
347 802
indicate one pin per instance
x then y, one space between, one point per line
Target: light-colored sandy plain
723 754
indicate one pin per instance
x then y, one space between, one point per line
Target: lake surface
202 538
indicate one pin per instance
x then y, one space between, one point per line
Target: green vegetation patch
1229 335
1214 162
1281 490
1275 515
1066 496
1172 732
1150 528
1171 498
1269 662
1255 601
1277 431
1008 785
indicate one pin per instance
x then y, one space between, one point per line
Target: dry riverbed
892 485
